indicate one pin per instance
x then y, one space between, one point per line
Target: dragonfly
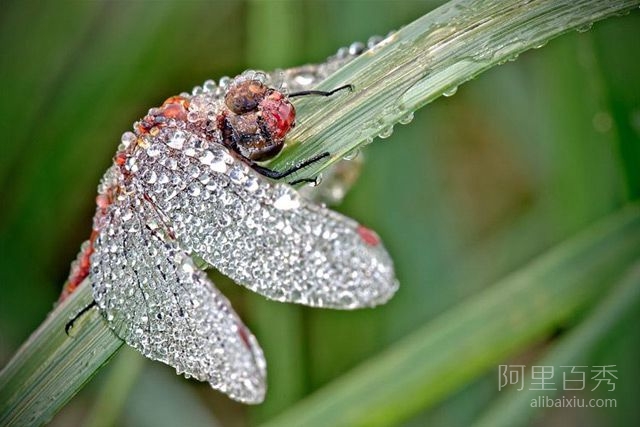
187 190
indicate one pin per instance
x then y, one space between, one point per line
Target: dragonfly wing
264 235
156 300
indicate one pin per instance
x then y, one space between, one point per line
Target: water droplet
128 138
193 116
305 79
261 76
286 199
356 48
251 184
209 86
450 92
342 53
386 132
352 154
194 190
177 140
224 82
406 118
237 174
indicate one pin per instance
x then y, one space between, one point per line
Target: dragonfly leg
301 180
70 323
273 174
320 92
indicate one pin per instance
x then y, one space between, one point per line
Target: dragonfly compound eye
279 115
245 96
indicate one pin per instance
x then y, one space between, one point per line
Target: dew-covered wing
261 234
158 302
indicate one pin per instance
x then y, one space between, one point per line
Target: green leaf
430 57
51 367
463 343
514 408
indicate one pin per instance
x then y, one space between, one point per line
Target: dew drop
352 154
194 190
305 79
207 158
346 299
260 76
450 92
128 138
152 177
237 175
251 184
177 140
193 116
209 86
386 132
406 119
342 53
368 140
286 199
218 165
154 151
356 48
224 82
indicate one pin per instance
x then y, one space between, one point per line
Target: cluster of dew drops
283 82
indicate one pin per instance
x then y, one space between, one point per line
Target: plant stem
51 367
430 57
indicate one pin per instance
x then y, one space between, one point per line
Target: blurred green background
520 159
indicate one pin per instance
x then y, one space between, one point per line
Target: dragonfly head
259 119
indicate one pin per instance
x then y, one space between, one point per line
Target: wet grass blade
515 407
426 59
462 344
51 367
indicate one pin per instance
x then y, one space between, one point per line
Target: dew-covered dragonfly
186 184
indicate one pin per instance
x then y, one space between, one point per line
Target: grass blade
429 365
515 407
51 367
426 59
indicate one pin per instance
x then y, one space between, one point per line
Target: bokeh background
520 159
